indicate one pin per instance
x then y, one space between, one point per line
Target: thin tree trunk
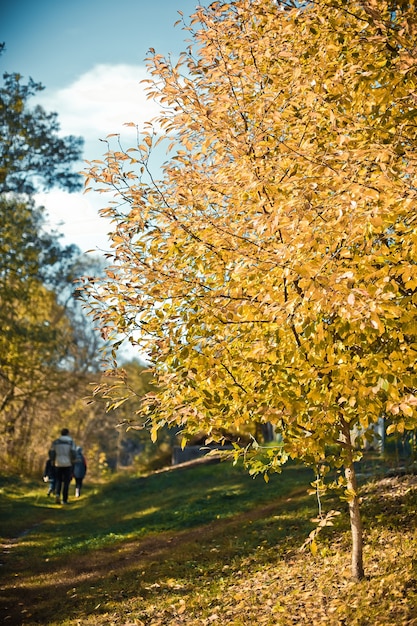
355 524
354 509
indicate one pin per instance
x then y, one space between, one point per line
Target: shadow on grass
158 564
133 532
134 508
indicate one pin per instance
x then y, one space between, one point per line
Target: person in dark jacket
79 470
49 476
62 455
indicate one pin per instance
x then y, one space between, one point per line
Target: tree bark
355 524
354 509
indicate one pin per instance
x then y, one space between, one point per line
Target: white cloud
101 101
76 216
97 104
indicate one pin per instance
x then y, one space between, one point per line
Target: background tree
270 273
47 346
48 349
130 445
32 154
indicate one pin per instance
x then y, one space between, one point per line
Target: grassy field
200 546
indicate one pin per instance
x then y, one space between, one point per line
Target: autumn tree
47 345
32 153
120 433
270 274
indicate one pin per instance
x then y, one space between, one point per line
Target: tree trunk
355 524
267 432
354 510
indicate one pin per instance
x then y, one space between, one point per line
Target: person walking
49 476
62 455
79 470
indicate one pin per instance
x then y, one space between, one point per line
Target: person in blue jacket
79 470
49 476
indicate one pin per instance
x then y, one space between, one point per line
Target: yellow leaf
154 433
406 409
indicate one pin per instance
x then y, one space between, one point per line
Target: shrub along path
205 546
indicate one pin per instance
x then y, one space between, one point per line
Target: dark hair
64 431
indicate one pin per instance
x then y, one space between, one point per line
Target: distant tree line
50 353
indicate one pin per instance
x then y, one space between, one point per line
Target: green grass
128 508
207 545
19 500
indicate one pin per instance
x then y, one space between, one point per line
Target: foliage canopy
32 154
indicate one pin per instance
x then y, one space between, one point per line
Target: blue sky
89 55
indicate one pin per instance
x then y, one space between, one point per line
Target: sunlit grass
128 508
